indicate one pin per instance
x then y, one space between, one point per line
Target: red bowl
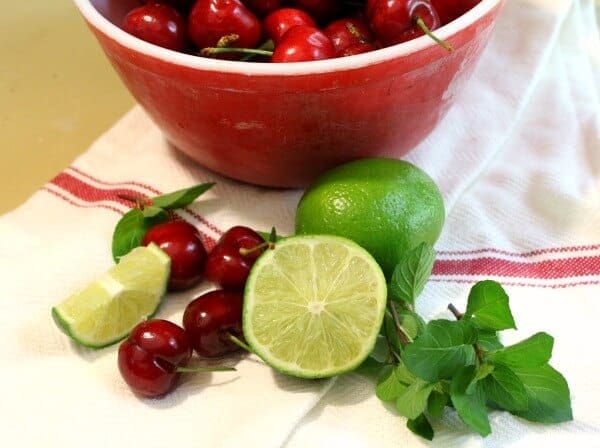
284 124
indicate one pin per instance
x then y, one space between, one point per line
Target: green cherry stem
239 343
213 51
421 24
268 46
204 369
266 245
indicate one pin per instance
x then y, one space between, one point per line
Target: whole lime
387 206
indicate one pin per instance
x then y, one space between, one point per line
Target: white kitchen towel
518 161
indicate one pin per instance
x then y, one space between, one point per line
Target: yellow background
58 93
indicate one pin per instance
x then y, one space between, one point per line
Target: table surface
49 113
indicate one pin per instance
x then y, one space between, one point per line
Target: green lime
106 310
387 206
313 306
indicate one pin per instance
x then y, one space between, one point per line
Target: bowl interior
113 11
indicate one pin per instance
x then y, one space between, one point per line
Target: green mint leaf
437 403
273 236
267 236
370 366
471 408
505 389
411 322
443 348
389 387
411 274
181 198
531 352
130 231
412 401
391 332
548 395
488 306
421 427
152 210
482 371
488 340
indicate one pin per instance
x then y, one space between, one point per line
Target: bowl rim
98 21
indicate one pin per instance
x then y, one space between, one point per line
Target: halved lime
106 310
313 306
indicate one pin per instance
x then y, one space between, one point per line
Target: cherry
225 265
262 7
277 23
321 10
181 241
212 20
349 32
210 319
395 21
158 24
303 43
148 359
358 49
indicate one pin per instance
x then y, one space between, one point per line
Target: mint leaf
411 322
489 340
443 348
389 386
488 306
421 427
531 352
482 371
391 332
130 231
411 273
181 198
436 403
505 389
548 395
412 401
268 235
152 210
471 408
370 366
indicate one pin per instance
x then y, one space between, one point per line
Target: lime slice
313 306
105 311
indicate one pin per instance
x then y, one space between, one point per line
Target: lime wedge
313 306
106 310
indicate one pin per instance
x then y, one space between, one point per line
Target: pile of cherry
157 351
288 30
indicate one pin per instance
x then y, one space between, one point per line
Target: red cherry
158 24
149 357
393 21
277 23
449 11
303 43
209 319
358 49
211 20
262 7
181 241
348 32
321 10
225 265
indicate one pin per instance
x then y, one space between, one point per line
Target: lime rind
106 310
320 315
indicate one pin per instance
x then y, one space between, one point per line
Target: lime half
313 306
106 310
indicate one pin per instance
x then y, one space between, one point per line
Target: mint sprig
148 212
462 363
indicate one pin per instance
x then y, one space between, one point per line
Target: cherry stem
354 31
266 245
140 202
239 342
421 24
268 46
227 40
212 51
204 369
